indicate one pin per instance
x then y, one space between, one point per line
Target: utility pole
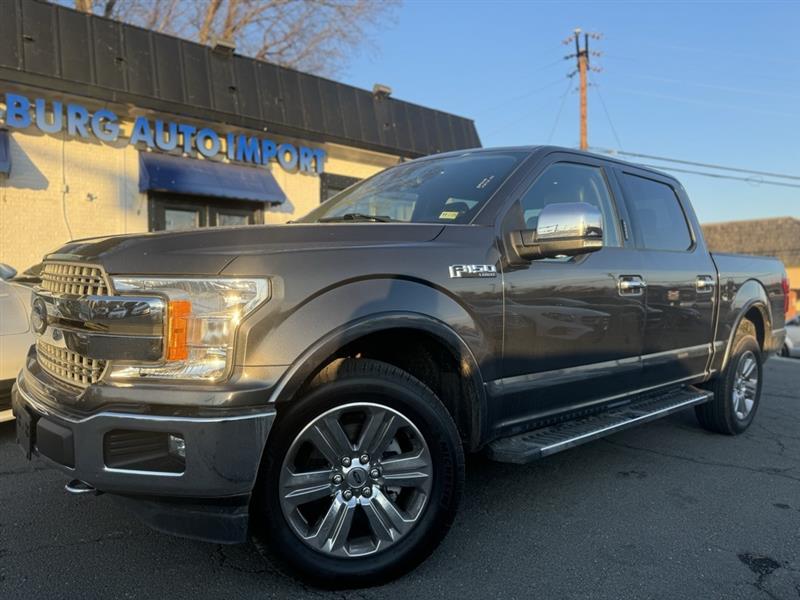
582 57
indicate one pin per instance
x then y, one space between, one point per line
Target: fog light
176 446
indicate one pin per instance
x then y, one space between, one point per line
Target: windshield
442 190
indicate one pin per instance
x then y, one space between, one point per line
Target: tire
785 351
368 553
735 400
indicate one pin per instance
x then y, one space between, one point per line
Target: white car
791 347
15 334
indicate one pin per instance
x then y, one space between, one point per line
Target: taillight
786 290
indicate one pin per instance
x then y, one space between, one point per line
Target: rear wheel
362 476
737 390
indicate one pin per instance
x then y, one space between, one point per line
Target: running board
531 445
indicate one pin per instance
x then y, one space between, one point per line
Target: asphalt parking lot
663 511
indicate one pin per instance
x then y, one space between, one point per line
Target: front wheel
362 476
737 390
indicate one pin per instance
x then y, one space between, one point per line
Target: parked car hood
208 251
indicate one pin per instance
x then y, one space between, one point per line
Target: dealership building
107 128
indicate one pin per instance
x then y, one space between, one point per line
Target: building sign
158 134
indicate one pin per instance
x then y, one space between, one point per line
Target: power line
560 110
699 164
605 110
714 105
721 176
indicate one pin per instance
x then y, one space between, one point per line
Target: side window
657 214
571 182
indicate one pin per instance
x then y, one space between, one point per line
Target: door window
572 182
656 214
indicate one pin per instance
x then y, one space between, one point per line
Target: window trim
543 165
207 206
332 180
621 172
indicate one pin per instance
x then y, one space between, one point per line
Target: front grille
73 278
69 366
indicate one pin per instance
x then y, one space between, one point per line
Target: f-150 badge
459 271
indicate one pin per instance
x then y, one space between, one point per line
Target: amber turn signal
177 329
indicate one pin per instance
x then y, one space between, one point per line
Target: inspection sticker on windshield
460 271
449 214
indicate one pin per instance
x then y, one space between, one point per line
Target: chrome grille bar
69 366
74 278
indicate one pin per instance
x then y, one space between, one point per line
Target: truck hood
208 251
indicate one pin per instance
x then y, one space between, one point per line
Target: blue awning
5 154
165 173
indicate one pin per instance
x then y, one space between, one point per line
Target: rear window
657 214
442 190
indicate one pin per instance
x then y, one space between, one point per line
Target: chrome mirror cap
566 229
7 271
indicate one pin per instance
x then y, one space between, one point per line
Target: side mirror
7 272
564 229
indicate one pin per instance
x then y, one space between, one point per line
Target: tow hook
78 487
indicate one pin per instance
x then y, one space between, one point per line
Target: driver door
573 335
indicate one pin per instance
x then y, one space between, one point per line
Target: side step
531 445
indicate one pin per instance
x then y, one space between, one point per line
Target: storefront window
176 211
181 219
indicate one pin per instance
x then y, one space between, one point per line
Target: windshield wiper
356 217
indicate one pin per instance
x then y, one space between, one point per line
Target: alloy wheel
355 480
745 385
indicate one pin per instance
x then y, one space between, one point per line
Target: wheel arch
465 398
750 303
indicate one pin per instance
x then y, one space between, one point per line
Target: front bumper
222 453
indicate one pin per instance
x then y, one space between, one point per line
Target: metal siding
39 38
109 63
419 137
445 131
432 131
223 83
312 106
73 29
10 55
195 70
331 107
349 107
292 99
139 62
369 120
247 87
402 129
270 90
474 138
171 75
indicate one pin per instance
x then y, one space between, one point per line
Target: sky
712 82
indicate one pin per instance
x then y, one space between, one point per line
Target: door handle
704 284
631 285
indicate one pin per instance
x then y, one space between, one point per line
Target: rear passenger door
679 275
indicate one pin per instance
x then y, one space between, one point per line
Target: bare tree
318 36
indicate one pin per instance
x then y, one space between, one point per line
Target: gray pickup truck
317 384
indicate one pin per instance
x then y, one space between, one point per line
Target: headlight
201 324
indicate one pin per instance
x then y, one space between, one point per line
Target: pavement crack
775 471
114 535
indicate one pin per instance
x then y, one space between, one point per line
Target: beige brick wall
102 194
54 187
